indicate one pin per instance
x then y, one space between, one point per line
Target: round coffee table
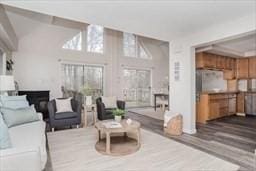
118 145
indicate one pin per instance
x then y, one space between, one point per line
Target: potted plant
118 113
87 92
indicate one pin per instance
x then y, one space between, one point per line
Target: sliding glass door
81 78
137 87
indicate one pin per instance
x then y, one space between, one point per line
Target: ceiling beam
216 49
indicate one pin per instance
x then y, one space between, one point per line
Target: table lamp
6 84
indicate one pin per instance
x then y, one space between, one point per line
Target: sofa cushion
30 135
109 102
65 115
63 105
14 102
20 116
5 141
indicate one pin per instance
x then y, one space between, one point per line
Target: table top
161 94
125 127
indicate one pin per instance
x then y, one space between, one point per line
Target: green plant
87 90
118 112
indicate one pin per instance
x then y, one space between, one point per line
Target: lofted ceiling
164 20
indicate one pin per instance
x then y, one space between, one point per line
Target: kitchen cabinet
230 63
205 60
252 67
215 105
242 67
220 62
229 74
240 103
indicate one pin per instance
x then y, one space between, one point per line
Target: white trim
189 131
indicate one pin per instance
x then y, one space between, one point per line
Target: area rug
150 112
74 150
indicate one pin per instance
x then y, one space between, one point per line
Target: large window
137 87
134 47
75 43
95 38
81 78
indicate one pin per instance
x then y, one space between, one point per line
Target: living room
100 62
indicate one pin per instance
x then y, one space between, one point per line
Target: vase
118 118
88 100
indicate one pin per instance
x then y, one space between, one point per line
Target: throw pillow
63 105
14 102
5 141
20 116
109 102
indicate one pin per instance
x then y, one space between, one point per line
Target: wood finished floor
232 138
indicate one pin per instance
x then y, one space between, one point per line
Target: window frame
103 41
86 65
137 48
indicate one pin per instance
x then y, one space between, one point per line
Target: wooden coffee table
118 145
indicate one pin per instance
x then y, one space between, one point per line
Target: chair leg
77 126
52 129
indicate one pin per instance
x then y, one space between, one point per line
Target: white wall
39 57
182 93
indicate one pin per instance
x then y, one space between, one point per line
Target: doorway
137 87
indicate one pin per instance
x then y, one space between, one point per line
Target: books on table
112 124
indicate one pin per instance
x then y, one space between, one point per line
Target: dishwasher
250 104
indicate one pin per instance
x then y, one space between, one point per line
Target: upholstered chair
107 113
62 119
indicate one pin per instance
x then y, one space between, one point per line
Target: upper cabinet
233 68
205 60
242 66
252 67
220 62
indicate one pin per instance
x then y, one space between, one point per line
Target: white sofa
28 151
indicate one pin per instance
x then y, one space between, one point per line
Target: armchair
106 113
64 118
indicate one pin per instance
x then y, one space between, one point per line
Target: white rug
73 150
150 112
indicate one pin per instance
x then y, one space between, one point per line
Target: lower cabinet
213 106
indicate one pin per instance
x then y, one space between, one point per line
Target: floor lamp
6 84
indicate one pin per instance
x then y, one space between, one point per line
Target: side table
89 108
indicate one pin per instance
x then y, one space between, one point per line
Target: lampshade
7 83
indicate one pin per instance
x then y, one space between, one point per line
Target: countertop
227 92
220 92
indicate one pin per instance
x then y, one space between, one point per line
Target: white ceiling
239 47
161 19
242 45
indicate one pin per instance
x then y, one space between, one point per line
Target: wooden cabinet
213 106
205 60
230 63
242 67
240 106
232 104
220 62
252 67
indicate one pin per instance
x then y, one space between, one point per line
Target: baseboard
189 131
240 114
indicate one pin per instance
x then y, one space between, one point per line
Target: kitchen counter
220 92
226 92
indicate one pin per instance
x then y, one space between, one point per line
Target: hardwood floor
231 138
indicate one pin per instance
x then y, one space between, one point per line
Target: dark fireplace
40 99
